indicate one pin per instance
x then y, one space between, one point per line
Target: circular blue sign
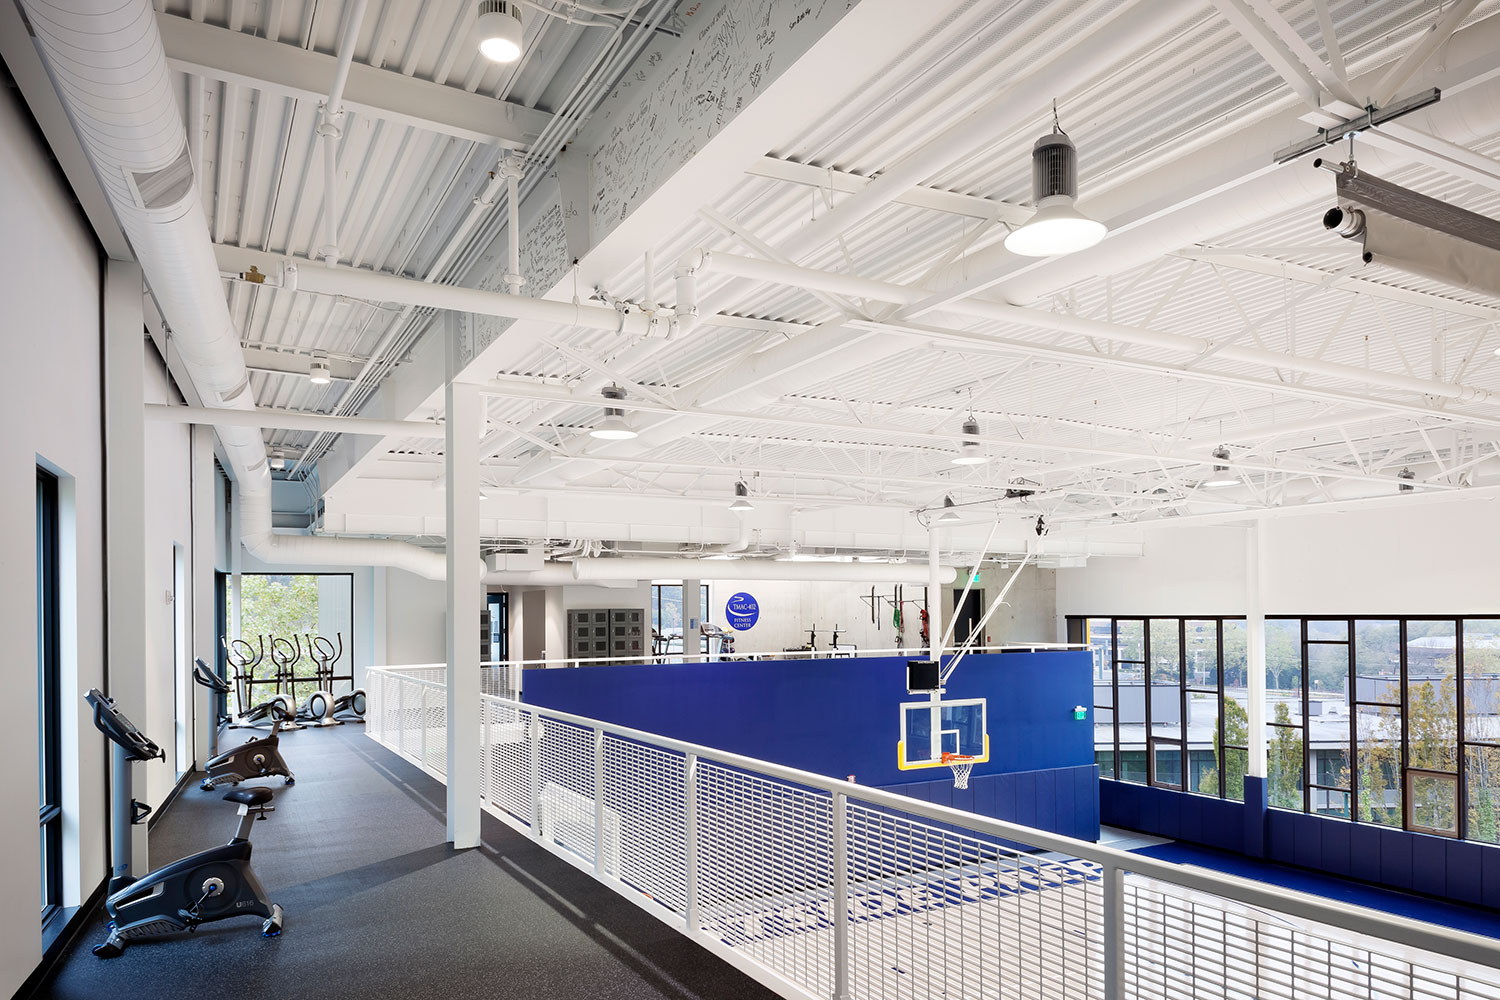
742 611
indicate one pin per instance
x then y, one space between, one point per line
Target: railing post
690 840
1114 932
536 775
484 749
600 858
425 722
840 913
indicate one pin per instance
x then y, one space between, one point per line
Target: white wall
789 608
168 525
1029 613
50 407
415 619
1423 558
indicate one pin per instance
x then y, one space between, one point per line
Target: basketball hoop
960 765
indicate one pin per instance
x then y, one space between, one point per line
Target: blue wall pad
837 717
1447 869
1063 800
1445 914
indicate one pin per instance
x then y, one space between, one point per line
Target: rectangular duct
1418 234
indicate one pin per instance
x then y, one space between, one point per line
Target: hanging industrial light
500 30
1221 474
614 426
1406 476
970 449
318 371
278 461
741 500
949 515
1057 227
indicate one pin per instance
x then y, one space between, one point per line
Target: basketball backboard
930 729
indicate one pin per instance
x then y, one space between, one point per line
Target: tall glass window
1389 721
48 668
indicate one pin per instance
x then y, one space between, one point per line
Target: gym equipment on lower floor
258 757
211 885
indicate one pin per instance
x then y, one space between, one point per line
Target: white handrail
1396 934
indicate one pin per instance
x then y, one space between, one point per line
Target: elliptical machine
211 885
245 658
258 757
285 653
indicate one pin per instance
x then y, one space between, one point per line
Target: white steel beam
842 182
277 68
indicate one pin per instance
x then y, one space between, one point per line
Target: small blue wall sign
742 610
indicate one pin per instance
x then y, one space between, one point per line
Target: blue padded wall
836 717
1063 800
1395 859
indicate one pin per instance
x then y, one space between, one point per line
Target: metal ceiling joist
842 182
289 71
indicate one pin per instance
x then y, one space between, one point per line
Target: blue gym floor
1458 916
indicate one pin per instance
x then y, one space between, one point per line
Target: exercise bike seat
249 796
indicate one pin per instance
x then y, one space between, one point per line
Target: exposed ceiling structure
1219 355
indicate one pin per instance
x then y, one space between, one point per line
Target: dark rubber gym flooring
378 906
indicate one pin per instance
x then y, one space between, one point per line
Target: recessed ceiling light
500 29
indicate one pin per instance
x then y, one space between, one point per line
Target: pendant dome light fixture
1222 476
970 448
1057 227
499 29
741 500
614 426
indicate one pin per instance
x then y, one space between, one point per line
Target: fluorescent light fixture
741 498
970 450
500 29
948 515
1221 474
614 426
1057 227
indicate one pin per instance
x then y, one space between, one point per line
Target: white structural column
465 422
201 575
934 594
124 522
1255 647
692 619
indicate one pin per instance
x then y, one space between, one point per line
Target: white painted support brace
465 423
840 906
1255 648
935 583
288 421
601 869
690 839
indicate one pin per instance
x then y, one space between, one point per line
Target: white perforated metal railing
819 888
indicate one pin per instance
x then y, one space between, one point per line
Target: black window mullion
1146 708
1306 726
1182 710
49 717
1405 721
1114 681
1461 820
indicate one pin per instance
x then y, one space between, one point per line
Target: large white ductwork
602 569
110 70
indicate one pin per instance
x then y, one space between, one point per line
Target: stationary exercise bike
245 658
211 885
258 757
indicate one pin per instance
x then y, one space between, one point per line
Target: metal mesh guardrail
819 888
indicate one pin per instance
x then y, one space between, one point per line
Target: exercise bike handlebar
112 723
205 676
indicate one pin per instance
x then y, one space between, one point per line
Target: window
49 669
1388 721
667 618
499 647
280 617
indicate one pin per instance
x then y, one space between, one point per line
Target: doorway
966 616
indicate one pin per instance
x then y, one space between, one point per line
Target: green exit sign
1080 713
